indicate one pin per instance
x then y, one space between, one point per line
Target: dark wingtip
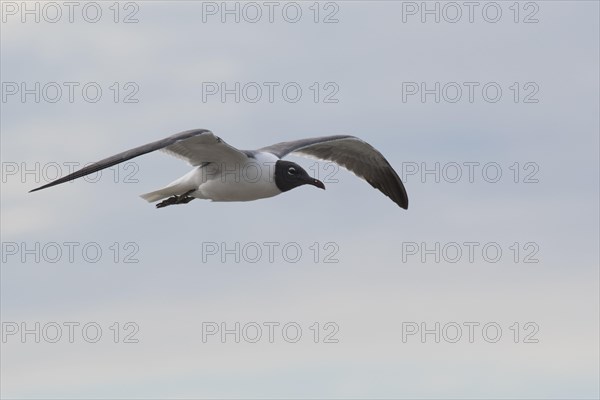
403 203
42 187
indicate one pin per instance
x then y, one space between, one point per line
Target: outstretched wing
195 146
353 154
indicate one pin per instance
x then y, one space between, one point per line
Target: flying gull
224 173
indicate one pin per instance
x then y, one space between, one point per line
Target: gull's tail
177 188
160 194
189 181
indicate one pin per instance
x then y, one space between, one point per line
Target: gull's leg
181 199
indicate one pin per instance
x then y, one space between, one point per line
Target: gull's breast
251 180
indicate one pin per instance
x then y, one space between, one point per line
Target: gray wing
353 154
195 146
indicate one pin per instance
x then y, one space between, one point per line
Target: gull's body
249 179
224 173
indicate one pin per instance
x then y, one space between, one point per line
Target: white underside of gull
249 180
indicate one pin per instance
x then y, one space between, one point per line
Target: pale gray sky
370 68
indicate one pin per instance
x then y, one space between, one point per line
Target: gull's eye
292 171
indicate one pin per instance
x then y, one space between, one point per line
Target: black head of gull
289 175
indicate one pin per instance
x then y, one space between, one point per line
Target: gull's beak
317 183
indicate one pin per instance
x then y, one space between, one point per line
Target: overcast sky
490 116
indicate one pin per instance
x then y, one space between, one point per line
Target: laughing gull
224 173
